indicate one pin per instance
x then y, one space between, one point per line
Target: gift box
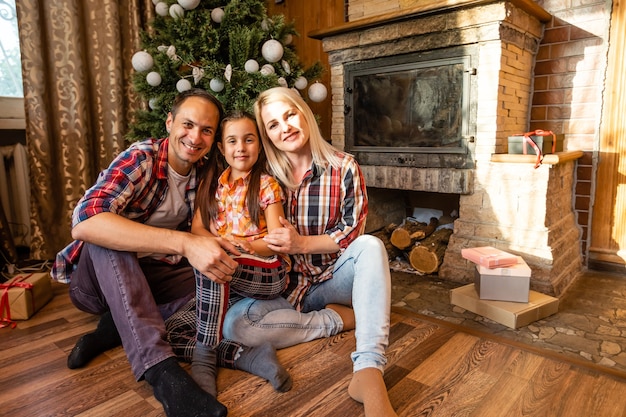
511 283
489 257
546 144
23 295
510 314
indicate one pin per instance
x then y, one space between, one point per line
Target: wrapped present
489 257
511 283
511 314
23 295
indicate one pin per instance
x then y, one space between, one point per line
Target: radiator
15 192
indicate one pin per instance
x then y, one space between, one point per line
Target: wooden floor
435 369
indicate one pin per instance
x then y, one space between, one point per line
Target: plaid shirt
233 217
133 186
330 201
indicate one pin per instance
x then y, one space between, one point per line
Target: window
10 65
11 89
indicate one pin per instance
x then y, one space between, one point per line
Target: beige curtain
78 95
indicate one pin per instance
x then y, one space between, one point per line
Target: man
132 258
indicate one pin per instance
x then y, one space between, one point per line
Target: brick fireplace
502 203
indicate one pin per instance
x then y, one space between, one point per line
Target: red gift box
22 296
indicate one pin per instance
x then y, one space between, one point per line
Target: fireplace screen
410 110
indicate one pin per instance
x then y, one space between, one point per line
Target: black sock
89 346
204 368
179 393
262 361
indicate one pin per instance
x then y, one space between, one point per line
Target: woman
334 265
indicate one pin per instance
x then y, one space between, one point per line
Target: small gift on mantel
23 295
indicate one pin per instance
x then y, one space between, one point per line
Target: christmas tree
230 48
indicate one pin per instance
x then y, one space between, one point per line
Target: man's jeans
361 279
139 293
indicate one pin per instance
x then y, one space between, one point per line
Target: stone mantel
425 8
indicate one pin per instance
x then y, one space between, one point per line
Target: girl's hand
242 244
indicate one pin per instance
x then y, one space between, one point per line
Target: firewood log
405 235
427 254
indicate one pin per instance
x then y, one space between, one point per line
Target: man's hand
208 255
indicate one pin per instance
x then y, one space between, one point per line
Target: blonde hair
323 153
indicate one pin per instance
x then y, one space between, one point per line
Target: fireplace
412 110
473 61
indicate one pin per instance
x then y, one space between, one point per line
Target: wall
308 16
569 79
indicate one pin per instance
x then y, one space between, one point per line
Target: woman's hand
285 239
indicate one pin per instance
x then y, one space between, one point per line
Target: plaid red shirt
132 186
330 201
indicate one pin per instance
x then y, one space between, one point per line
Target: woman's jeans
361 279
140 293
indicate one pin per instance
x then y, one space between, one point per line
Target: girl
242 205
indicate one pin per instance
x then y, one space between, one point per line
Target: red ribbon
16 282
527 139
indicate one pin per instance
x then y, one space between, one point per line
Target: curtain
77 95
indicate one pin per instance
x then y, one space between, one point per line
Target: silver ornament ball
183 85
153 78
251 66
142 61
217 15
177 11
216 85
189 4
318 92
162 9
272 50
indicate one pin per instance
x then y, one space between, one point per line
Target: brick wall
569 75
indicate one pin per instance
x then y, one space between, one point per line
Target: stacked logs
421 243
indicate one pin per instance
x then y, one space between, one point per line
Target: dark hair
205 200
196 92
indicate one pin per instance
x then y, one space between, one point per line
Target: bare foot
347 315
368 387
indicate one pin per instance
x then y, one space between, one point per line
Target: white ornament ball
282 82
216 85
301 83
153 78
183 85
251 66
272 50
162 9
153 103
177 11
189 4
288 39
142 61
318 92
155 2
267 69
217 15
